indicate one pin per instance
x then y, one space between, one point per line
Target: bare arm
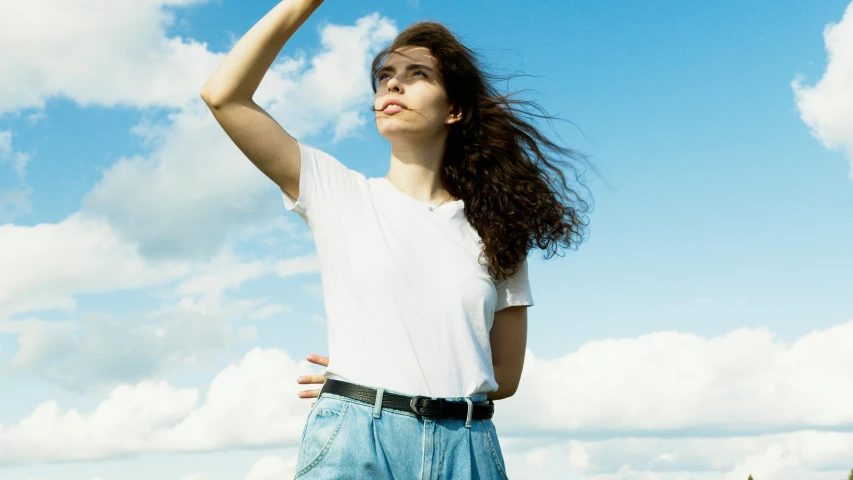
228 93
508 338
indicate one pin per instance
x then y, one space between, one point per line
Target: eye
382 76
419 71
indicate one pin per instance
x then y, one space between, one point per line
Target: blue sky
142 257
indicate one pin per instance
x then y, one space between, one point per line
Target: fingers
309 393
317 378
318 359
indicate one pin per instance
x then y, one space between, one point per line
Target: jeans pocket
321 428
495 447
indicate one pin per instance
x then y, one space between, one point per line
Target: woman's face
410 78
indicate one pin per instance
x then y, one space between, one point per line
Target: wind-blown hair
496 160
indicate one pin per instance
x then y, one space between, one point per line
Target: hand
317 379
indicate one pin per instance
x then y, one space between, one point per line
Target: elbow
207 99
213 100
502 392
511 388
507 384
511 391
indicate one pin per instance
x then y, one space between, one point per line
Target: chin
396 131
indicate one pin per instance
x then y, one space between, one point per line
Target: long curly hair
497 161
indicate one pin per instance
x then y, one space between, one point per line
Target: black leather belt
419 405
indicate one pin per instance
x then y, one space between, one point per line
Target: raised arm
228 93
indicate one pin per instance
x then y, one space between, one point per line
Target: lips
393 103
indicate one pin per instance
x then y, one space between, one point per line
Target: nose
394 85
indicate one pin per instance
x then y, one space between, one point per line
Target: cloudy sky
157 301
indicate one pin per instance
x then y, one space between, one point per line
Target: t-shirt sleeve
324 182
515 291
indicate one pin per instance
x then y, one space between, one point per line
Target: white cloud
98 52
254 403
315 290
272 467
348 123
269 310
249 404
786 456
93 349
15 201
204 290
124 422
39 342
100 349
298 265
96 349
222 273
671 383
18 160
93 256
225 272
827 107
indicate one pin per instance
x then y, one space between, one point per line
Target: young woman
425 269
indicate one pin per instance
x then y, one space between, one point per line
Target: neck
416 169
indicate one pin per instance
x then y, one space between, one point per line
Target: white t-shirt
408 307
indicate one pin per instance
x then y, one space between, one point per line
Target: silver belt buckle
425 410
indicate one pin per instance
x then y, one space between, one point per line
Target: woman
423 335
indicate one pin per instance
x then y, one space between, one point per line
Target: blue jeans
346 439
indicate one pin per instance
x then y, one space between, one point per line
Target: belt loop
377 408
470 412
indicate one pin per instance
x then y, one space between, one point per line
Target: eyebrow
409 68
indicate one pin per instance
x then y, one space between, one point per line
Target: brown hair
495 159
